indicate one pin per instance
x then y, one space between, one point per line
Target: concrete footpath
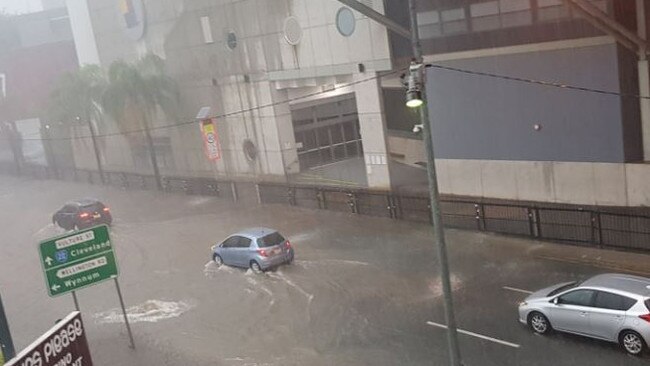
608 259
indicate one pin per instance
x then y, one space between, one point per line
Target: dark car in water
82 214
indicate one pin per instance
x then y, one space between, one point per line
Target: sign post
6 343
64 344
80 259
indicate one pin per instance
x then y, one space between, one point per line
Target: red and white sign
210 140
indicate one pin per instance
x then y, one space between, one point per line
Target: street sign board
77 260
210 140
64 344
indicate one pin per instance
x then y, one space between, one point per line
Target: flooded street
360 291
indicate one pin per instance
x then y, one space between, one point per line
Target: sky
20 6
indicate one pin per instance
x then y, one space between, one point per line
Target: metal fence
595 227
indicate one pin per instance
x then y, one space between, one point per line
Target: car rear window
647 304
270 240
93 207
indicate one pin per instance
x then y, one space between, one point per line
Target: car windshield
564 288
270 240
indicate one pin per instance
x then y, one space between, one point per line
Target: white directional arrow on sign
55 288
49 261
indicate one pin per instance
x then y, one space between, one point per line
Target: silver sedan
611 307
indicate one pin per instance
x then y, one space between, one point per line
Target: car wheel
217 260
290 260
255 267
539 323
632 342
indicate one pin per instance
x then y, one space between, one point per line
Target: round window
345 21
250 150
231 40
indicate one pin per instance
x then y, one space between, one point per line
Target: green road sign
77 260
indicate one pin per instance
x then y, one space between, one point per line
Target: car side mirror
555 301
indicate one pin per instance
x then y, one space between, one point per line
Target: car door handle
583 313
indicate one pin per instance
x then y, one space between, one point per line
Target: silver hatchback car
611 307
258 249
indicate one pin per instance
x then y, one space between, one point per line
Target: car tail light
288 244
84 215
645 317
106 209
262 252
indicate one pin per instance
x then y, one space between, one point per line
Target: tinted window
94 207
647 304
69 209
231 242
578 297
606 300
270 240
243 242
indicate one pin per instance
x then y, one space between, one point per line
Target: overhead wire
224 115
346 85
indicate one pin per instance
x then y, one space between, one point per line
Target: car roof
256 232
83 202
633 284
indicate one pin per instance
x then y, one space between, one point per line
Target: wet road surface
362 291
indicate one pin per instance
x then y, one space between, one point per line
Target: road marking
513 345
517 290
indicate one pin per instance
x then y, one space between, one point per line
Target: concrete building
516 140
296 90
37 48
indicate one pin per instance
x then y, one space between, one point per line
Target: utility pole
438 230
416 96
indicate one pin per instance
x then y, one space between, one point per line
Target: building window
60 26
429 24
327 132
495 14
164 155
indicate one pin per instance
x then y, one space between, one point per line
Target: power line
242 111
433 66
538 82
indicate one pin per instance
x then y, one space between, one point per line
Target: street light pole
438 230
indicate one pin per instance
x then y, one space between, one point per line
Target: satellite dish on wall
292 31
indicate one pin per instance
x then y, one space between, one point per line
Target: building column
372 121
644 78
644 91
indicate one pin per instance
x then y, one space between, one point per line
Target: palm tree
76 98
135 94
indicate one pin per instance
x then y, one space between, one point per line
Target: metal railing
594 227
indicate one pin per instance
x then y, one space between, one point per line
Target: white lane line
513 345
517 290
